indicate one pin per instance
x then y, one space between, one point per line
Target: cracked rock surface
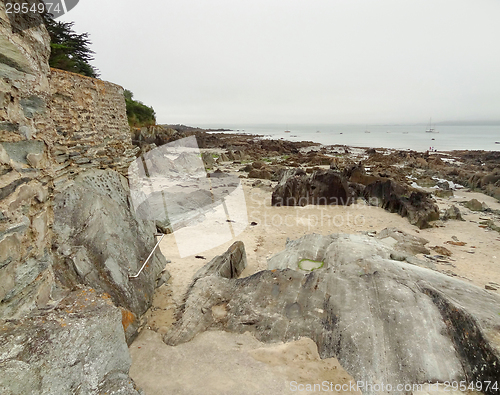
385 320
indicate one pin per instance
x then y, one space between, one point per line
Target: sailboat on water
430 129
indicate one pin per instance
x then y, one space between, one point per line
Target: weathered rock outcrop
101 241
26 278
475 205
453 212
263 174
76 347
24 84
323 187
208 160
386 321
177 192
228 265
332 187
417 205
157 135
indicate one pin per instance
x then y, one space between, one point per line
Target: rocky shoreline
341 264
425 218
478 170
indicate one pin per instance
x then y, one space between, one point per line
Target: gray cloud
286 61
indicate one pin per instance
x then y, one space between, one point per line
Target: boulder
442 250
100 242
317 159
496 193
444 193
384 320
77 347
417 205
421 162
443 185
260 173
426 182
223 158
164 226
228 265
330 187
323 187
453 212
358 175
234 155
403 242
491 178
248 168
475 205
258 164
218 174
208 160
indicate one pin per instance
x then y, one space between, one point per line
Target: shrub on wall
138 113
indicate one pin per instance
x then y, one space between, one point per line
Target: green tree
70 51
138 113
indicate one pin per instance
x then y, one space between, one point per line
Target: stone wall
91 125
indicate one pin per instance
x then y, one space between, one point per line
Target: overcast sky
300 61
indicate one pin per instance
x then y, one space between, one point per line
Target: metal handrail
149 257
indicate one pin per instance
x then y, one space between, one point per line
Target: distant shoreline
447 138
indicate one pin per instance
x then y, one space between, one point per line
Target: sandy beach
160 369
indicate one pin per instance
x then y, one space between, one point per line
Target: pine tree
69 51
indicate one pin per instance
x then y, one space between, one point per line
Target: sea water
414 137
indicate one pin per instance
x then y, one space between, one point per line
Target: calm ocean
449 137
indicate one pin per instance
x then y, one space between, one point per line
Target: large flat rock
385 320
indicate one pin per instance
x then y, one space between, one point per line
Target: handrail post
150 255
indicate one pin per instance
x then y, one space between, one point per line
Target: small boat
497 142
287 131
430 129
367 131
